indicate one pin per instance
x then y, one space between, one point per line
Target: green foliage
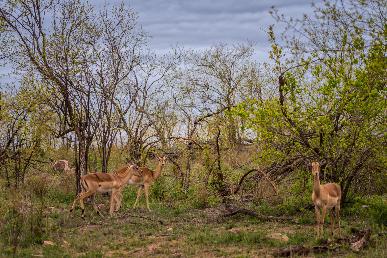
229 238
23 219
331 104
300 238
372 208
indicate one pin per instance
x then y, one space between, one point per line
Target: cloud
202 23
199 24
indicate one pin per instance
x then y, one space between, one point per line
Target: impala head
162 160
315 168
134 167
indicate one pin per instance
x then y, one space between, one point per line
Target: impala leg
146 190
332 218
81 198
337 211
139 191
95 206
324 212
75 200
113 197
118 200
317 213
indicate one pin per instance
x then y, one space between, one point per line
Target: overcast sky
202 23
199 24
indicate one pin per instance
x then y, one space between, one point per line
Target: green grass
177 228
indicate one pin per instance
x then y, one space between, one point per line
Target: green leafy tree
331 98
25 128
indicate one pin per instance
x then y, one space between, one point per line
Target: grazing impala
144 181
61 165
105 182
327 196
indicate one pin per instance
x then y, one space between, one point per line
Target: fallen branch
258 171
357 242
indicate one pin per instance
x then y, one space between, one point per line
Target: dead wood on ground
357 242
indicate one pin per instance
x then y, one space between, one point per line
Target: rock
169 229
47 242
236 230
153 247
279 237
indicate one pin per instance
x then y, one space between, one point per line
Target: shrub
23 218
373 208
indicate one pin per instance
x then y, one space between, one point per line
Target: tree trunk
81 157
187 176
219 183
104 158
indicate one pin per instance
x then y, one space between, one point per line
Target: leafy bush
23 218
373 208
378 211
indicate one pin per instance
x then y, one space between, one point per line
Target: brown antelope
105 182
144 182
61 165
327 196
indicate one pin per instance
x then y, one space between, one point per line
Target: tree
221 77
142 101
331 72
25 123
69 52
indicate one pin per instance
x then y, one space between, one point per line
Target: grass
162 233
178 229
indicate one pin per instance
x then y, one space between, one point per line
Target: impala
327 196
61 165
144 181
105 182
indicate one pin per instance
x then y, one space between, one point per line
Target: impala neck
316 184
125 178
158 170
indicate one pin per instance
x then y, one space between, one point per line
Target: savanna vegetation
239 136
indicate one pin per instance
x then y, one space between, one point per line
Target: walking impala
105 182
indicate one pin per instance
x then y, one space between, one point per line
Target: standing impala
105 182
144 181
327 196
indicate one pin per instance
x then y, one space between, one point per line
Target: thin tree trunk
220 185
81 157
187 176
